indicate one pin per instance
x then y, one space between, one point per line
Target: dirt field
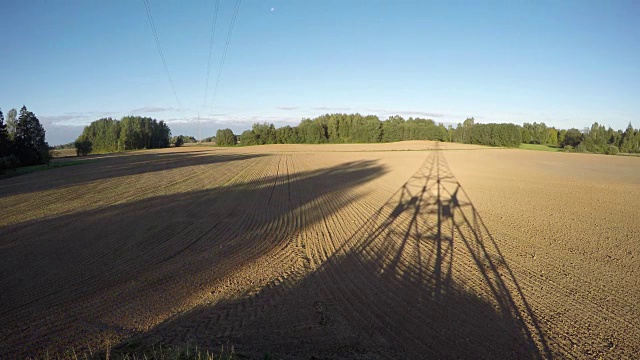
326 251
64 153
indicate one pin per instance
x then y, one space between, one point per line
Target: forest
130 133
355 128
22 140
22 137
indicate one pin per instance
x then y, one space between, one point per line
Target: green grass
36 168
156 352
539 147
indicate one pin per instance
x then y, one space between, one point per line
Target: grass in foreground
539 147
157 352
36 168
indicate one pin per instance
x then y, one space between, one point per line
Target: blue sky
565 63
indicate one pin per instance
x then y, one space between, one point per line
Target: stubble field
411 249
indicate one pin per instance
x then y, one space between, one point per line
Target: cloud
328 108
152 109
51 119
92 114
194 119
410 113
61 134
426 114
74 118
379 112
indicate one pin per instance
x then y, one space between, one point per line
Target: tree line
355 128
180 140
22 140
595 139
22 137
129 133
337 129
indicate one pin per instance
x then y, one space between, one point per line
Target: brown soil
326 251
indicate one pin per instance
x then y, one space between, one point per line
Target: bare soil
403 250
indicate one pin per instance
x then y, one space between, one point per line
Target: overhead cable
162 58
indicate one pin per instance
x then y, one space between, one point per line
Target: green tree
129 133
526 135
287 135
393 129
265 133
83 146
179 141
12 120
552 139
312 132
467 125
225 137
630 140
5 143
8 163
30 145
561 135
573 137
248 138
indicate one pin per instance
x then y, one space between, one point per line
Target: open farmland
333 251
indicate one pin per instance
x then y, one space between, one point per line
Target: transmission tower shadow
430 277
421 277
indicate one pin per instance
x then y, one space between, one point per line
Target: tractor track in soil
326 251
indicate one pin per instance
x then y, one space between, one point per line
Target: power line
226 47
213 32
164 62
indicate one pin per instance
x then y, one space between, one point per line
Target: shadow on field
99 276
422 278
113 166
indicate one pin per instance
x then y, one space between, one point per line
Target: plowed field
404 250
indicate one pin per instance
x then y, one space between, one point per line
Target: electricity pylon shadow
428 253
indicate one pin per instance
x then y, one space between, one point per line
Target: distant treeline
179 140
22 140
70 145
129 133
340 128
596 139
355 128
108 135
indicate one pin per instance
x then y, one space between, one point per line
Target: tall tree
630 140
12 119
225 137
552 139
265 133
31 147
467 125
526 135
573 137
5 144
130 133
248 138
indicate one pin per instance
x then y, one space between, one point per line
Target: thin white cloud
50 119
152 109
412 113
329 108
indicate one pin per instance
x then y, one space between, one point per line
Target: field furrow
325 251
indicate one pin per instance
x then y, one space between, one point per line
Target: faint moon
272 9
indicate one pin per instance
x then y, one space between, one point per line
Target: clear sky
565 63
